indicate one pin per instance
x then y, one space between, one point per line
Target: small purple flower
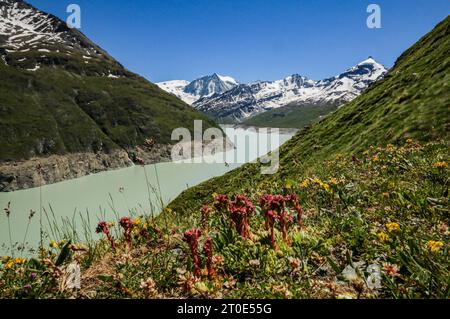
27 287
33 276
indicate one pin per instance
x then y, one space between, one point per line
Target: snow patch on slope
206 86
24 28
176 87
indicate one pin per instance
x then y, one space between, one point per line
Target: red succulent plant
221 203
293 199
208 252
272 217
240 210
274 208
102 227
271 203
128 225
191 237
284 218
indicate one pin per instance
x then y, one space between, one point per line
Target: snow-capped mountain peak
246 100
205 86
369 60
226 79
209 85
23 28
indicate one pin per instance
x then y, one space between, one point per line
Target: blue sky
252 39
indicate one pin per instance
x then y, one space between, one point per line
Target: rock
5 181
56 168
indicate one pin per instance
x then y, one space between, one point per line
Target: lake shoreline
282 130
41 171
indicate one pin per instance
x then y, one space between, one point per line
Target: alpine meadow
358 208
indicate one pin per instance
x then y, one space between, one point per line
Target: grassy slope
411 102
391 209
70 106
386 207
290 116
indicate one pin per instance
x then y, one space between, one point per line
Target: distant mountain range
224 99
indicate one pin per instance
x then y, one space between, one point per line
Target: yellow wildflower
62 242
137 221
305 183
440 165
317 181
326 187
14 261
334 181
9 265
434 246
409 141
392 227
145 226
53 244
382 236
376 158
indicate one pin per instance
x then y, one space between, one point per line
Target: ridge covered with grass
72 97
412 101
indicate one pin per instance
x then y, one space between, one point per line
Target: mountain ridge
60 94
243 101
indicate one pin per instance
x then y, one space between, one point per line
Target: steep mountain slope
23 28
412 101
291 116
61 94
247 100
203 87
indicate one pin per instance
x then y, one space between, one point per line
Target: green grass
70 106
373 182
412 101
388 208
290 116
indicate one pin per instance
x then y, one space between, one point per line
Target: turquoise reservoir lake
80 203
